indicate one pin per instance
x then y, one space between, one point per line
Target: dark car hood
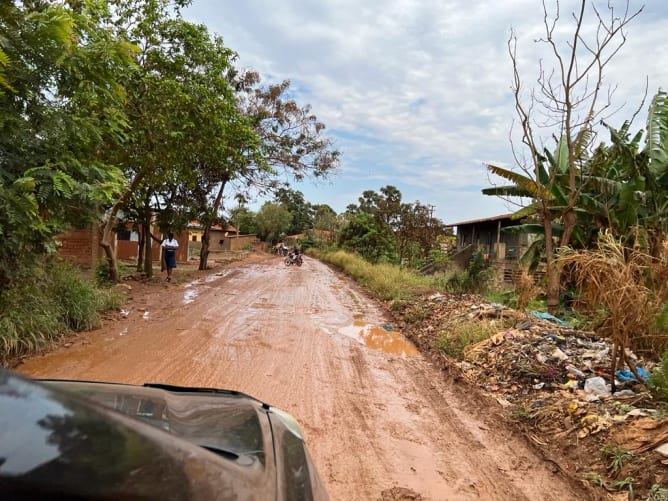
55 445
226 422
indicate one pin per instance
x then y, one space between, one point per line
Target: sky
417 93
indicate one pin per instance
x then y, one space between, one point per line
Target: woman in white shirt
170 245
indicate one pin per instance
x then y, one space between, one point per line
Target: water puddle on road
189 295
380 338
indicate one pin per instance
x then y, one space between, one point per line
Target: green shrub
102 272
29 320
75 297
658 380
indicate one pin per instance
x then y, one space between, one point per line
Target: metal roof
483 220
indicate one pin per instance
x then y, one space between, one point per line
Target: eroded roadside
377 416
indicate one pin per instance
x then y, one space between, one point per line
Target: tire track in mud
373 421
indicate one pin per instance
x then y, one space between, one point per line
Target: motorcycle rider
294 254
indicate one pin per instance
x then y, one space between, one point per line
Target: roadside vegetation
57 301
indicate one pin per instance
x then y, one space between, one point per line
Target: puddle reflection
189 295
379 338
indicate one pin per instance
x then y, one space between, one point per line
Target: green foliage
475 279
454 341
658 380
658 493
368 237
76 299
522 413
61 101
616 456
43 309
272 221
102 273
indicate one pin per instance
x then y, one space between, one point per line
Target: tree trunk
105 241
204 250
206 236
140 249
148 243
552 271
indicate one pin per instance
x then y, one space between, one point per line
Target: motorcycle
292 259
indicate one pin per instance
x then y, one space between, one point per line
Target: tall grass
58 300
386 281
629 286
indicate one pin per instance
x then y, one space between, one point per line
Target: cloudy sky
417 93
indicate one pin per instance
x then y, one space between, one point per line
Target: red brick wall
81 246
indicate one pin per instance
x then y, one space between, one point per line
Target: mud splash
380 338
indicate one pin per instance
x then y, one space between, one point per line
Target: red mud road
376 415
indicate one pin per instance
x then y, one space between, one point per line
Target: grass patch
454 341
386 281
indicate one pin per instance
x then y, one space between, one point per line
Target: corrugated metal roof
483 220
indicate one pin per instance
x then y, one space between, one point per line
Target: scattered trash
627 375
597 386
575 371
523 325
546 316
559 355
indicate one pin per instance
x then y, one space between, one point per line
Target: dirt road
376 415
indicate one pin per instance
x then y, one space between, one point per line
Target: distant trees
383 228
272 221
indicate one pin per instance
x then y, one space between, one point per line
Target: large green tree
187 133
272 220
60 100
365 235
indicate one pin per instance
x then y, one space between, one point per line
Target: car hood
57 444
228 423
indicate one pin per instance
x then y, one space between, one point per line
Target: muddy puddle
193 289
379 337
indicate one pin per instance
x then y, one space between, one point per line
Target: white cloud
415 92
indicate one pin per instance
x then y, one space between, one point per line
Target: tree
244 220
291 141
326 224
272 221
367 236
417 232
300 209
60 100
567 104
187 134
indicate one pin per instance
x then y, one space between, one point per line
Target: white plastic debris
662 449
559 355
597 386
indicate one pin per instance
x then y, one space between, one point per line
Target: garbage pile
556 381
541 361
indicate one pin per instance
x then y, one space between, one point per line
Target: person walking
169 247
